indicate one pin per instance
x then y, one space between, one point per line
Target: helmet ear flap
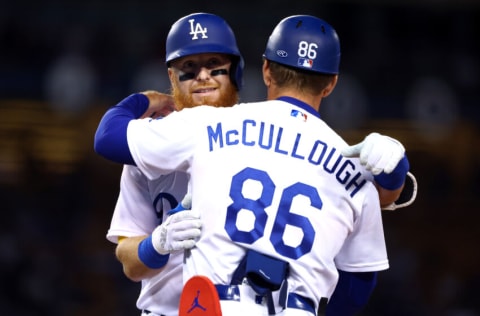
236 72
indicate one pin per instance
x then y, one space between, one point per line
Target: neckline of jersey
300 104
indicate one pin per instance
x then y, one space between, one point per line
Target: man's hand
378 153
179 232
160 104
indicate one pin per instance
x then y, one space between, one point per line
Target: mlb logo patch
300 115
305 62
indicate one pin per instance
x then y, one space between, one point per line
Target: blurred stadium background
410 69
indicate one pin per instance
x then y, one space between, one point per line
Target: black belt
232 293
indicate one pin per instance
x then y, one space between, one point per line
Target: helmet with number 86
305 42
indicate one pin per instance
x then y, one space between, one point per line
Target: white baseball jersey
268 176
141 206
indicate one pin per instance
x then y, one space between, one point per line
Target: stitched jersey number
283 214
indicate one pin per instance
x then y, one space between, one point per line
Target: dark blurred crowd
411 71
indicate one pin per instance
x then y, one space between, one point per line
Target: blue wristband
395 179
149 256
178 208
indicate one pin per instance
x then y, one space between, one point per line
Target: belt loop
322 306
282 299
270 305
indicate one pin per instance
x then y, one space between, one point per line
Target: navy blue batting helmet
305 42
199 33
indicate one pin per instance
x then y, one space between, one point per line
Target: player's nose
203 74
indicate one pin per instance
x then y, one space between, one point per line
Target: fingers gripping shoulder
378 153
185 219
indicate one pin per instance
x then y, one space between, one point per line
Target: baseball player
252 201
143 204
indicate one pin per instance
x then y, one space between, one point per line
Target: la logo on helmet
194 30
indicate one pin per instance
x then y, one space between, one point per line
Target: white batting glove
179 232
378 153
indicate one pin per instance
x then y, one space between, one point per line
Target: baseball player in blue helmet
203 46
200 33
205 67
311 45
288 210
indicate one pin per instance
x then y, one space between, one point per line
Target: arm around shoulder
110 139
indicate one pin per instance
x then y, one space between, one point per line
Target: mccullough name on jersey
270 138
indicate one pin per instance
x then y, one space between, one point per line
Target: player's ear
171 74
267 79
329 88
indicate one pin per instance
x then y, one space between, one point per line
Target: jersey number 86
283 216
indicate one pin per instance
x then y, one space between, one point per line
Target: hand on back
160 104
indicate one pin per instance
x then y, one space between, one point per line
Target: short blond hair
308 82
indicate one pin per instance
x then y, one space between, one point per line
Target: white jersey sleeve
363 250
134 214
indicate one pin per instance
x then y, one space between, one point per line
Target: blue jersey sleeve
110 139
352 293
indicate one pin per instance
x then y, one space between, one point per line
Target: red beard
228 98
